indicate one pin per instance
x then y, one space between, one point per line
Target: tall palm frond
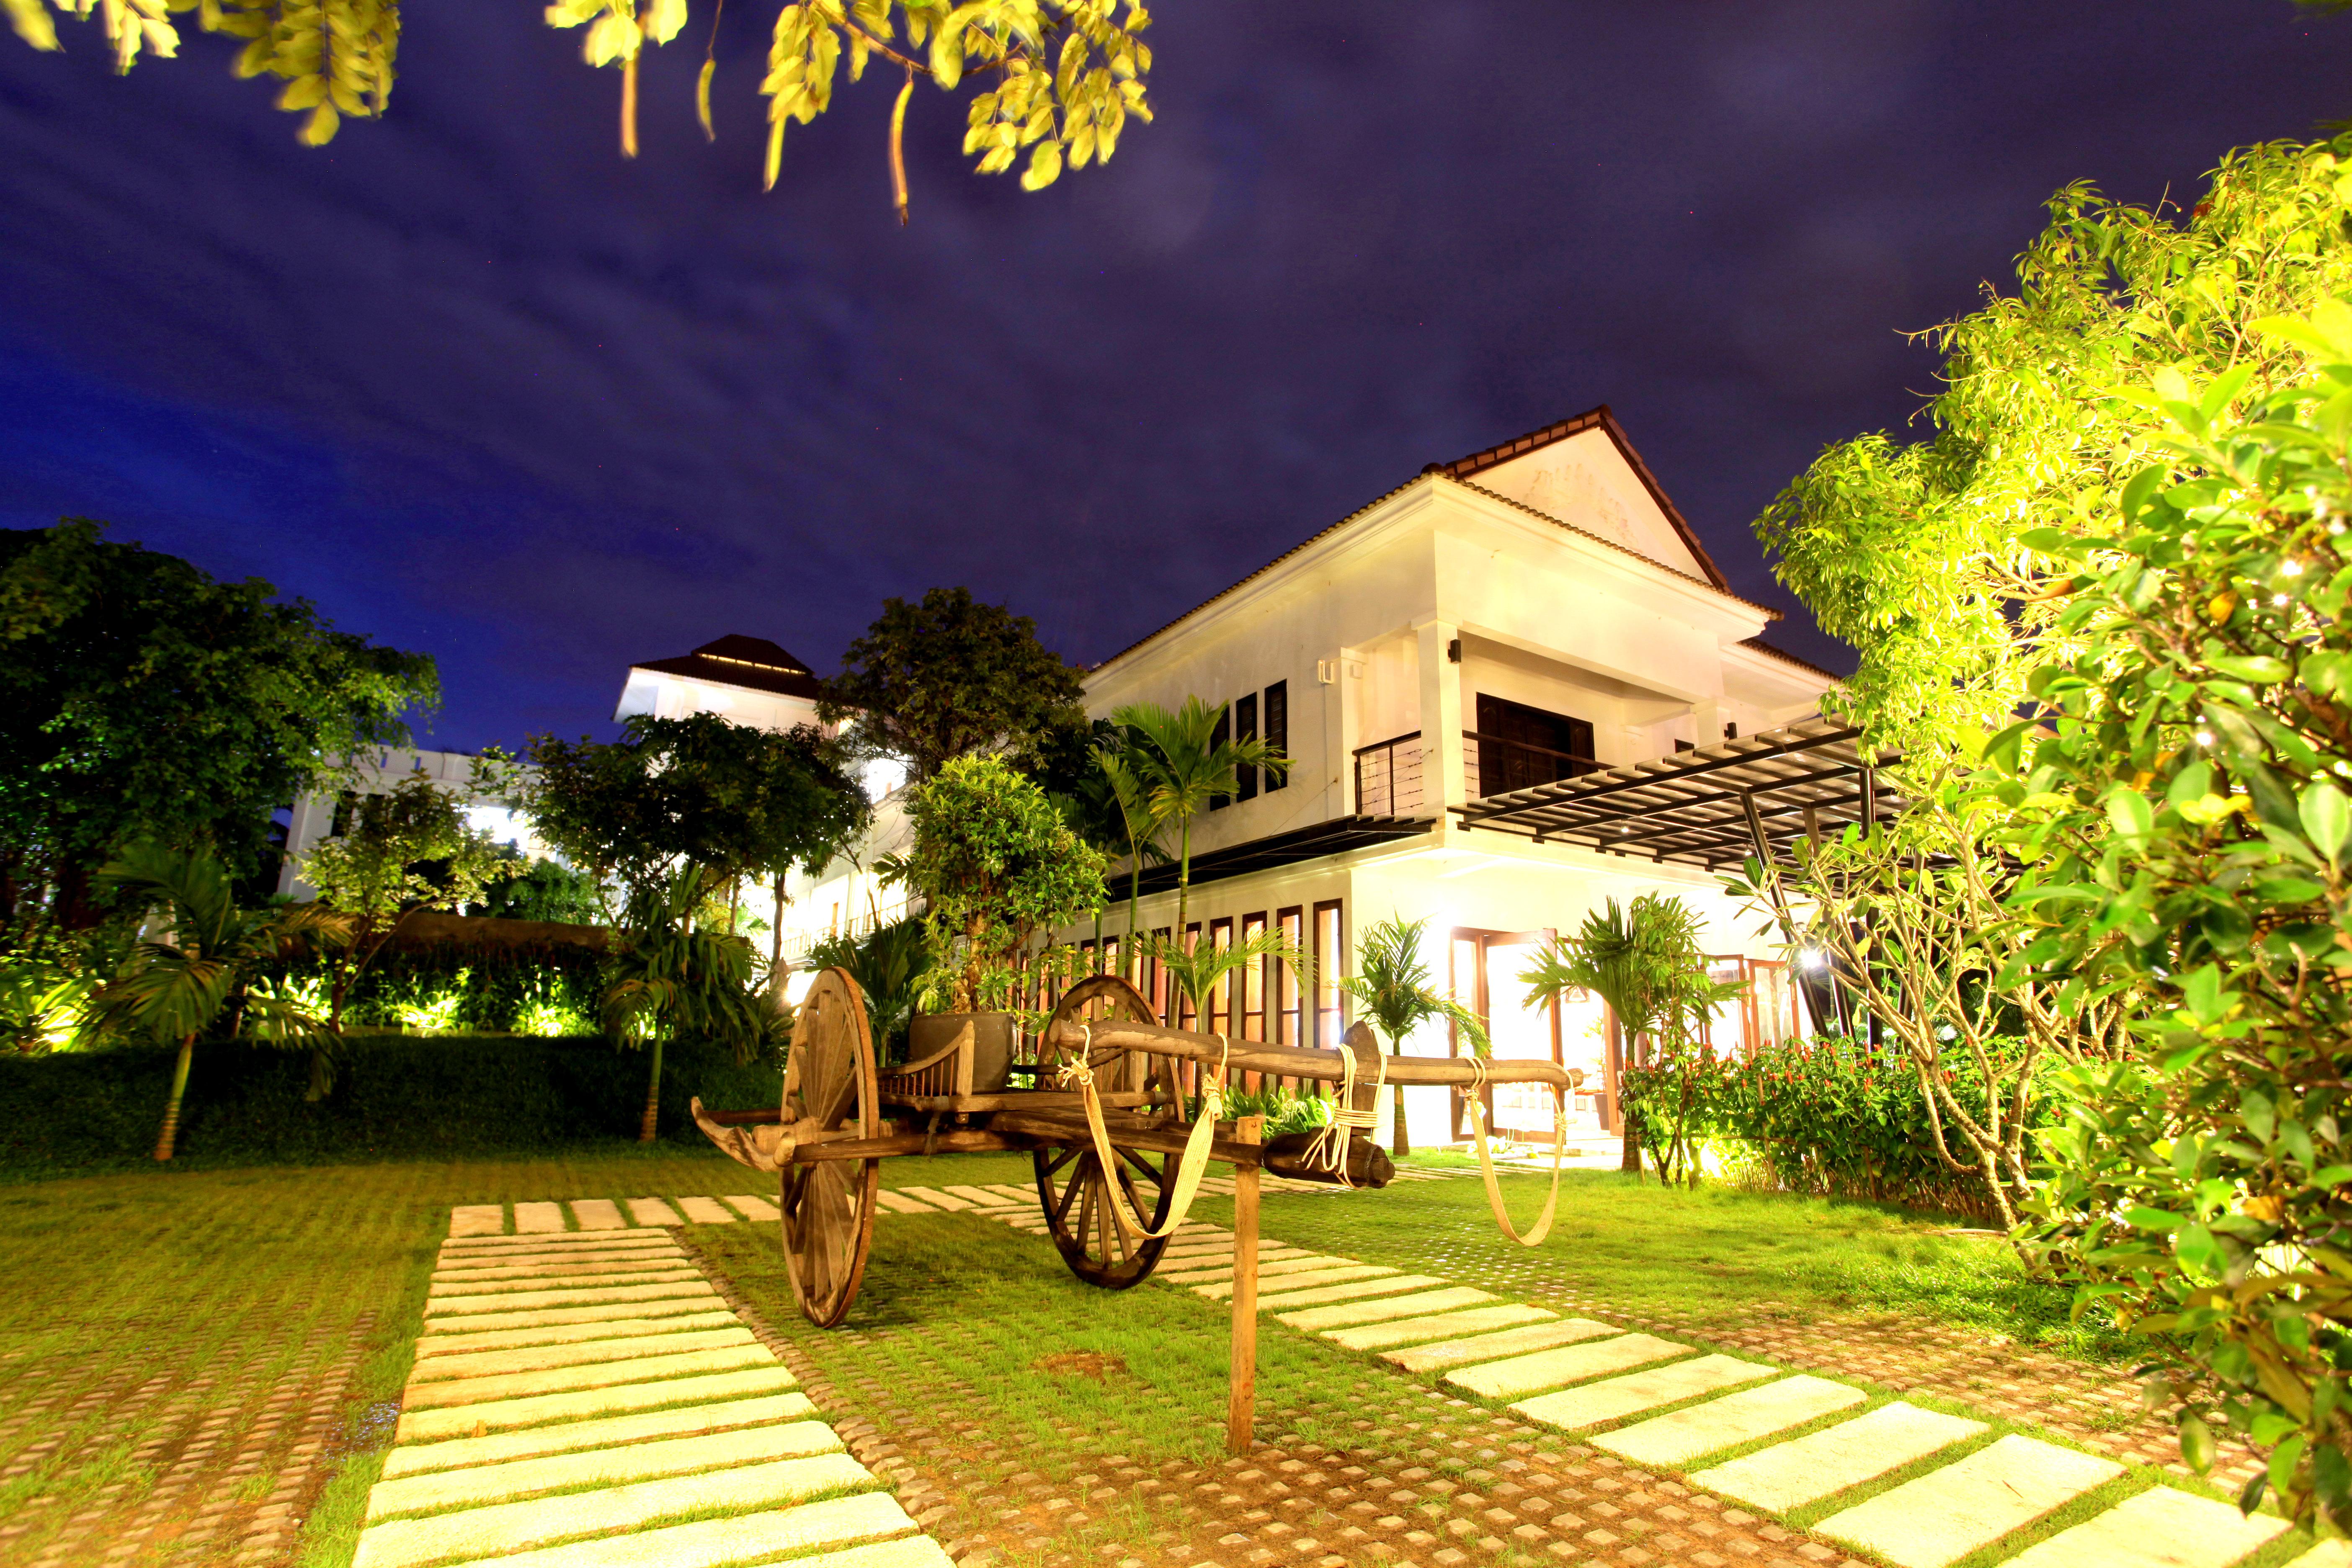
672 975
1183 766
1394 990
1195 975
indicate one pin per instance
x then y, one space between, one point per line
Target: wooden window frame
1330 1011
1275 710
1245 729
1283 979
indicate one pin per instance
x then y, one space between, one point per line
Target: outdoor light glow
1813 958
2204 737
2290 568
797 984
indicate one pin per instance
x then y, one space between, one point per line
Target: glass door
1486 979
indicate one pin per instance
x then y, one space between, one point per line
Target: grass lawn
173 1342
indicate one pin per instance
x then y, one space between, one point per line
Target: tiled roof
738 660
1761 646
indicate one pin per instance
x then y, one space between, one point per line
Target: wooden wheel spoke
1064 1158
1076 1184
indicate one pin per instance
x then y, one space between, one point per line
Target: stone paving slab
653 1211
456 1453
747 1538
1013 1190
607 1467
1404 1330
2327 1555
1534 1372
1289 1297
697 1289
595 1375
578 1352
2158 1528
478 1219
506 1528
538 1218
1307 1279
1489 1347
889 1200
1614 1398
756 1209
1945 1514
453 1245
1805 1470
433 1345
691 1303
983 1197
1271 1263
554 1276
425 1426
1347 1314
937 1199
1670 1442
597 1213
621 1248
707 1211
911 1551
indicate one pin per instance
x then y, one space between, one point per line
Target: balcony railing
1494 765
1387 777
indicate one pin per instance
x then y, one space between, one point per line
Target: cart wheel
1099 998
828 1206
1071 1186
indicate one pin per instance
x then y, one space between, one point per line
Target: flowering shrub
1826 1119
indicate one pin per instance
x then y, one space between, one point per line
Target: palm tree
1396 993
174 989
1181 767
670 977
1118 765
1647 964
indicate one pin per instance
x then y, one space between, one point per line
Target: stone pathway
583 1398
1817 1453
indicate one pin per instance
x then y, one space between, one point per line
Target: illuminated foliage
1059 79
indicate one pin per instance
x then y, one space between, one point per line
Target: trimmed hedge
1828 1119
493 984
396 1097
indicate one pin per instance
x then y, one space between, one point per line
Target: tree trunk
1400 1140
653 1095
170 1136
776 942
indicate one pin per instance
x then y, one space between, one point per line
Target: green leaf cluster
336 56
732 799
2178 812
1939 559
146 700
998 865
947 677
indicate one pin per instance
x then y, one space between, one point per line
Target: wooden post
1241 1397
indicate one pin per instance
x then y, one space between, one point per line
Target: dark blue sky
479 387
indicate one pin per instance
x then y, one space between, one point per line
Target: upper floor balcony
1396 777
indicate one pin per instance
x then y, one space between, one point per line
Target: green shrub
1826 1119
465 985
396 1097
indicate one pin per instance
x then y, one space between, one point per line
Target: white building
1501 686
378 773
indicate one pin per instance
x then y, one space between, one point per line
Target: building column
1441 777
1706 721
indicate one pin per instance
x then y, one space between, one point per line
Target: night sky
477 386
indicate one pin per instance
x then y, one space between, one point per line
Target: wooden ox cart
1102 1117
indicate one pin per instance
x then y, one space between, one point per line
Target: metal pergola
1711 807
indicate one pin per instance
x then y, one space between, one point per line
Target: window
1284 978
1328 1023
1277 732
1155 977
1218 737
1253 976
1185 1018
1245 729
1109 957
1521 747
1221 996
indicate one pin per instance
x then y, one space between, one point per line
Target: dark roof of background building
738 660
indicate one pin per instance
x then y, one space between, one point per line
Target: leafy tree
949 677
372 868
998 863
2177 806
671 975
206 961
1066 73
734 800
541 889
147 700
1646 961
1396 993
1921 554
1182 767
